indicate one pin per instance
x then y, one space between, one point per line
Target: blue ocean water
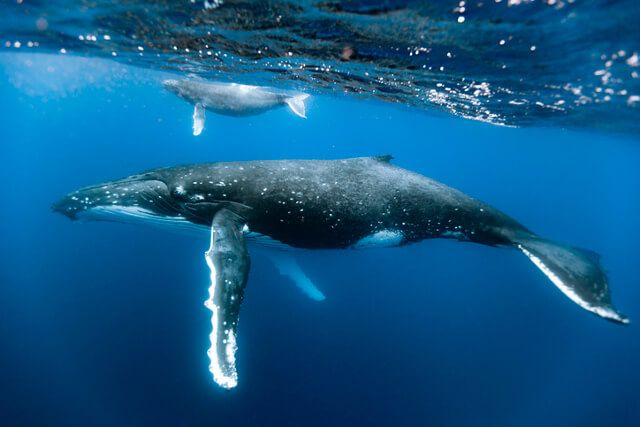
104 323
568 63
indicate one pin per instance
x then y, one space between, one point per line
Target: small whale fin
577 273
385 158
198 119
289 267
296 103
228 259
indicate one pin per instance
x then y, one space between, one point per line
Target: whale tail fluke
576 272
296 103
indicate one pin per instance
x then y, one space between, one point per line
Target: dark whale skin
338 204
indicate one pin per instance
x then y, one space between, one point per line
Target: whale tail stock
296 103
576 272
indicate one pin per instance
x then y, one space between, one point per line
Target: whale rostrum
232 99
319 204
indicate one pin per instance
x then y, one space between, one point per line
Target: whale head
142 197
188 90
181 198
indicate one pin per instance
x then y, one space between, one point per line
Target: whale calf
319 204
231 99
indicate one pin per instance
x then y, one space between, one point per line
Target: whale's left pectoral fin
198 119
229 261
296 103
289 267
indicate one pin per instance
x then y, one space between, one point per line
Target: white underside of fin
600 311
296 103
198 119
226 381
288 266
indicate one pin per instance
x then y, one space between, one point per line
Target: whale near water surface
231 99
319 204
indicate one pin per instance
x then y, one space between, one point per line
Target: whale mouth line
169 84
147 193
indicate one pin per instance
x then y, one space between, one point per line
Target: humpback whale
319 204
231 99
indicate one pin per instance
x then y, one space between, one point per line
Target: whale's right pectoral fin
228 260
289 267
296 103
198 119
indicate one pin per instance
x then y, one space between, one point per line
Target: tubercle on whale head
177 87
170 85
187 90
138 191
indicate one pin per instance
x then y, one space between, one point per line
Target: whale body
319 204
231 99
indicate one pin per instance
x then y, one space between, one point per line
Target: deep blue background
104 324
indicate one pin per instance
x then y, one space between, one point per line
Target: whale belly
380 239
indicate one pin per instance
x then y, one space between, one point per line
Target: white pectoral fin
296 103
288 266
228 260
198 119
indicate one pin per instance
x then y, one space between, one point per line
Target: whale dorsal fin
228 260
385 158
198 119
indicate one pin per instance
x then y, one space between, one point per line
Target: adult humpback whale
231 99
319 204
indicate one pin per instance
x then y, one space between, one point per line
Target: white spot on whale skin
380 239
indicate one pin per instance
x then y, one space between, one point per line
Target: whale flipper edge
198 119
229 261
296 103
575 272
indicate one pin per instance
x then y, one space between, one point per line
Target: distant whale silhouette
231 99
319 204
